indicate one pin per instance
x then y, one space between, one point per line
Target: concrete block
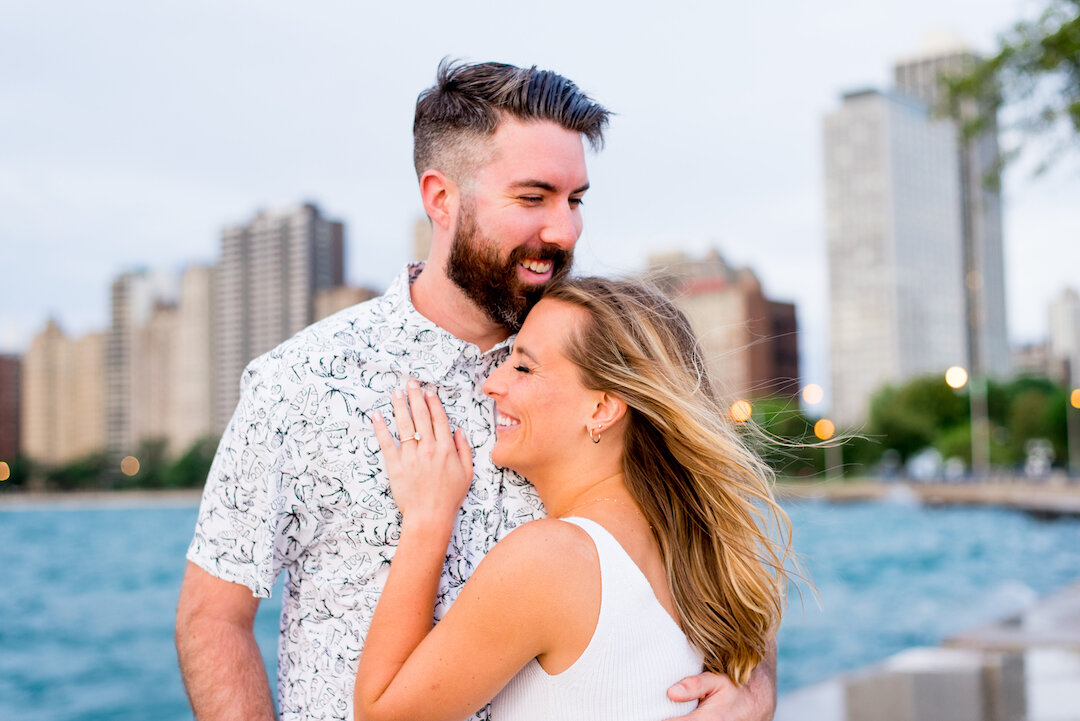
938 684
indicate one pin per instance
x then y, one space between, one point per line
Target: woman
655 559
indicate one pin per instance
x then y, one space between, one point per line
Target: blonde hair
707 496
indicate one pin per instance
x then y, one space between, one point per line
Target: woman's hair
707 496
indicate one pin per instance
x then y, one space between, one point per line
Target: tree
1036 73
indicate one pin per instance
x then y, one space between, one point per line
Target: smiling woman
656 558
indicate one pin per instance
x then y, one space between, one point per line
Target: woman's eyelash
521 369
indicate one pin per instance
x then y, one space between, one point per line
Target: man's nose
562 228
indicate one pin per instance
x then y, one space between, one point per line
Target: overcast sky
130 132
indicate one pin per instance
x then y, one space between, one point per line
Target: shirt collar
399 302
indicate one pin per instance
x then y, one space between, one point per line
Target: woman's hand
431 470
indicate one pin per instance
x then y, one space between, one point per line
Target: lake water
86 612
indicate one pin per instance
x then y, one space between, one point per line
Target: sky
131 132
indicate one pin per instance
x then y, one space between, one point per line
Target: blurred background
882 271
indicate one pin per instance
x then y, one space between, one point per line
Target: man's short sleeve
251 522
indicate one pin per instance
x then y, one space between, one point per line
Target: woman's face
541 406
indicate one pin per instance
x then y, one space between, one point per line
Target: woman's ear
609 410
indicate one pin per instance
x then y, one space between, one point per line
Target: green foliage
21 470
1036 72
191 468
82 473
910 418
926 413
100 472
785 437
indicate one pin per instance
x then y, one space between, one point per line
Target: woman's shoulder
544 549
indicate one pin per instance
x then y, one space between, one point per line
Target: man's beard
492 283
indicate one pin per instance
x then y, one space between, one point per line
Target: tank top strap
618 572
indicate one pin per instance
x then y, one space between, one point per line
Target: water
86 613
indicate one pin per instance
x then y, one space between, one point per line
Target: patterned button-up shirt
299 484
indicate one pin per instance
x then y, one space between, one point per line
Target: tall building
895 246
161 346
10 391
193 360
978 160
134 297
330 300
749 341
63 396
270 271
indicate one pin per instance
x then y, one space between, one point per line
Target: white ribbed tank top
636 653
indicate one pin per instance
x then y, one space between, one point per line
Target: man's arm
721 700
220 662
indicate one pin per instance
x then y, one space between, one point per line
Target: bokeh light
5 471
824 429
956 377
129 466
741 411
1074 398
813 394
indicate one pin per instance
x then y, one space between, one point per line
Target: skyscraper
10 391
893 199
978 159
63 404
749 341
269 273
130 386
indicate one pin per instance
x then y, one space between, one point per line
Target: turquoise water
87 606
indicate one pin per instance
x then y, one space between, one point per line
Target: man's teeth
537 266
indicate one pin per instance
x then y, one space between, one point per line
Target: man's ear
440 197
609 410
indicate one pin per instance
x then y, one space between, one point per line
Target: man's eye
577 202
531 198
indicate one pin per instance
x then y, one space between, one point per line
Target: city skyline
141 164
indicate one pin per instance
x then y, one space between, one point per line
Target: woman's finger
464 451
386 441
420 415
440 424
402 417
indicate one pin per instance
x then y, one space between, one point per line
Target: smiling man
298 485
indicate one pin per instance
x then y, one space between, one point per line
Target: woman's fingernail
413 383
398 393
429 392
378 417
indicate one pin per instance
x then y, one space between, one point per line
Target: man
298 483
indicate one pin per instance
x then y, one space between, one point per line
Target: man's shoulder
348 333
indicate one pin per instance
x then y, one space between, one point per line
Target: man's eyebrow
544 185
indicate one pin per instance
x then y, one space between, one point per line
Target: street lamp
1072 431
956 378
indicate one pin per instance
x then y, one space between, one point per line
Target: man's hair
467 103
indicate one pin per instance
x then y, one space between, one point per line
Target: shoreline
1045 499
79 500
1049 499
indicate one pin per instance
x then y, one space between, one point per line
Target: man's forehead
537 154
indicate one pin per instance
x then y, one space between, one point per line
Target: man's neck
439 300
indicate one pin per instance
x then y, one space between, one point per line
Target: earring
596 438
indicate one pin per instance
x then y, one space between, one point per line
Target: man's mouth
540 267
